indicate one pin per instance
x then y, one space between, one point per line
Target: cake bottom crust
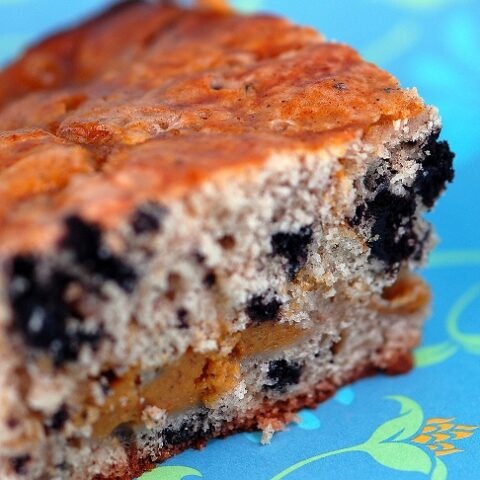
279 412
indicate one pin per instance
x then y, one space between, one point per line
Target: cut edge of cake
292 246
140 321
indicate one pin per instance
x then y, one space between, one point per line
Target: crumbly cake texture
207 222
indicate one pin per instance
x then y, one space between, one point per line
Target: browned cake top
148 100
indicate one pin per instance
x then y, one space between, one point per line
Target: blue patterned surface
424 422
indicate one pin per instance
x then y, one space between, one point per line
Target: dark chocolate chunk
283 374
392 237
356 220
293 246
84 240
188 431
106 380
40 311
39 308
19 464
389 212
437 170
66 347
262 308
210 279
199 257
59 418
148 218
373 181
125 435
184 433
182 317
109 375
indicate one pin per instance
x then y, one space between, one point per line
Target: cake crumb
269 426
267 435
153 417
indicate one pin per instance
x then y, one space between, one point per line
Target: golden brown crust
36 162
185 96
75 56
282 411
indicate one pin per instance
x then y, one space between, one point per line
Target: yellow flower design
469 342
440 434
396 443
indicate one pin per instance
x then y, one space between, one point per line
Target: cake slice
207 222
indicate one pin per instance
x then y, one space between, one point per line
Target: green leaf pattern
433 354
470 343
386 447
401 427
400 456
440 471
389 445
170 473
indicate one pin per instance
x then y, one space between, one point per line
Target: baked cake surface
205 225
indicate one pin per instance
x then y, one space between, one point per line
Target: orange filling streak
196 378
192 379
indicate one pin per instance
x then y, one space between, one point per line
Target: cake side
269 417
294 243
199 218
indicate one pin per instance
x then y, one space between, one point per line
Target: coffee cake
207 222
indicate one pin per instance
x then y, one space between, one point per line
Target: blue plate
422 425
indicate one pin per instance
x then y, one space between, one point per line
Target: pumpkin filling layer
201 379
194 379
